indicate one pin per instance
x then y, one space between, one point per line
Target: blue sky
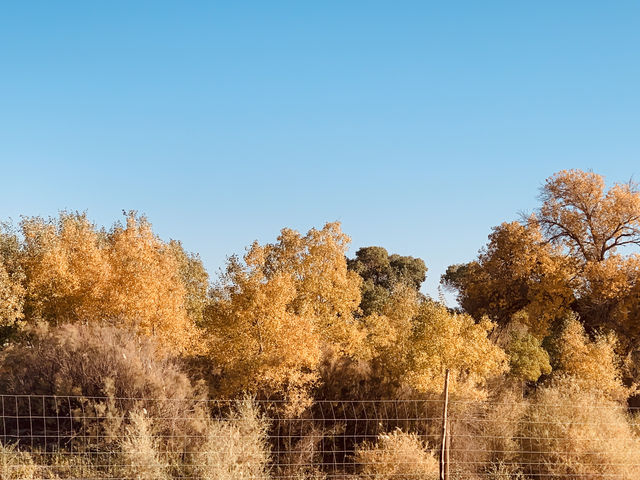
418 125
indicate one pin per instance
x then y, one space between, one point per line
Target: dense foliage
548 312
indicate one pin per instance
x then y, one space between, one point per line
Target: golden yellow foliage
66 269
325 289
127 277
517 271
389 332
280 310
527 359
12 291
145 287
443 340
562 259
397 455
11 298
590 222
593 365
195 280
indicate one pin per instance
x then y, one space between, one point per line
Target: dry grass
397 455
486 433
140 458
16 465
235 448
501 471
574 433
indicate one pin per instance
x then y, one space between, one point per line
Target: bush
569 432
139 451
110 371
397 455
234 448
592 363
501 471
485 434
16 465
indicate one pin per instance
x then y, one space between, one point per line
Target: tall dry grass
397 455
17 465
569 432
235 448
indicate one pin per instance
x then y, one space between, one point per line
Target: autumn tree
127 276
12 291
66 268
276 312
592 223
442 340
517 271
592 364
589 221
528 360
145 287
382 273
195 280
566 257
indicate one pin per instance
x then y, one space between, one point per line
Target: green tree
382 273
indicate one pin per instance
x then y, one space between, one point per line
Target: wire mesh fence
129 438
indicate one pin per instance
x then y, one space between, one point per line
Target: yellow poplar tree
66 268
444 340
145 288
277 312
592 364
127 276
564 258
12 291
518 271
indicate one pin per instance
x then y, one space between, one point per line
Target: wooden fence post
444 451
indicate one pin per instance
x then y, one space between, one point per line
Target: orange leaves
145 286
443 340
66 268
128 277
516 270
281 308
580 215
563 259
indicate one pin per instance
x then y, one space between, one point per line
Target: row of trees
271 324
286 315
550 304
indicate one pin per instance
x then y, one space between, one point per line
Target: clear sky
418 125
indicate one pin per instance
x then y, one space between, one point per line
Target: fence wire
139 438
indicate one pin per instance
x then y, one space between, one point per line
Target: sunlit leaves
448 341
126 276
279 310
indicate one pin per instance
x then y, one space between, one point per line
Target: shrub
569 432
485 434
16 465
501 471
234 448
397 455
139 451
112 372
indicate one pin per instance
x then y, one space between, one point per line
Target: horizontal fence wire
68 437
